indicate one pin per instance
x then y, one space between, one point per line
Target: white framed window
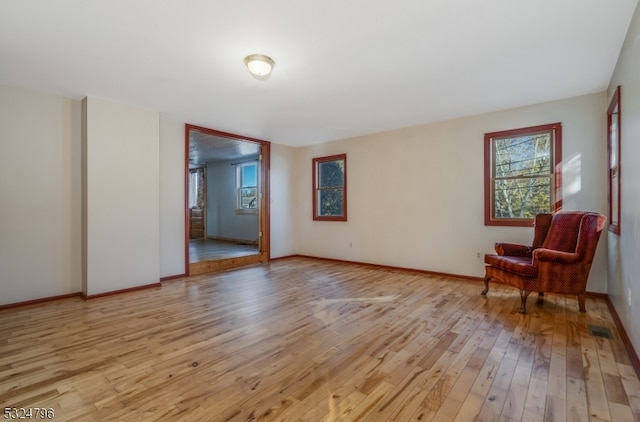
247 187
196 187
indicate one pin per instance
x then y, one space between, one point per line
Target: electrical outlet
478 255
629 295
350 244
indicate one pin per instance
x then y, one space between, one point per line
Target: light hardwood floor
310 340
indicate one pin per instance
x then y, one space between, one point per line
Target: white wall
418 222
122 196
283 201
222 219
624 250
40 228
172 185
415 195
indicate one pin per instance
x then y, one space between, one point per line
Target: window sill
510 222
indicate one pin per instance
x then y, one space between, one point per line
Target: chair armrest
512 249
549 255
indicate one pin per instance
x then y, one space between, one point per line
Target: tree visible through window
522 174
330 188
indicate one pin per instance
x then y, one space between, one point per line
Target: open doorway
226 212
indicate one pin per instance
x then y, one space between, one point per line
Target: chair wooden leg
486 286
523 301
581 300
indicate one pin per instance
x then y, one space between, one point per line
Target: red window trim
614 226
314 191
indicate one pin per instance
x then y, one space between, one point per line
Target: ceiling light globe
259 64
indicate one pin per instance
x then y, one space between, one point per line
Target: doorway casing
263 254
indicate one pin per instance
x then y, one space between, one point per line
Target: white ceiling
343 67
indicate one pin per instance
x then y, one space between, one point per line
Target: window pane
330 202
331 174
522 198
613 135
614 195
248 198
523 155
248 176
193 189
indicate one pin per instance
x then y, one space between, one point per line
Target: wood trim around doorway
264 225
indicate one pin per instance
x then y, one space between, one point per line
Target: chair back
574 232
577 233
590 230
563 231
541 228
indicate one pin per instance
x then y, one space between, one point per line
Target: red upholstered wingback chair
558 261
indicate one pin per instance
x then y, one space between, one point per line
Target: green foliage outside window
329 187
330 193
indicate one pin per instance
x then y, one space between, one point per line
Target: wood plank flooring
310 340
208 249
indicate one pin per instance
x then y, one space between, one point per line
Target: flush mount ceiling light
259 65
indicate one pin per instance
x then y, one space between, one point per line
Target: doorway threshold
211 266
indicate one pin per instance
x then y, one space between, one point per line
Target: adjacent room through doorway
226 202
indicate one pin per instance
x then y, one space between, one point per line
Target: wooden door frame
264 224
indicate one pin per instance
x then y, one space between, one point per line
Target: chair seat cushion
514 264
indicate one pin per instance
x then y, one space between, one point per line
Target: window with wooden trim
613 149
247 187
522 174
330 188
